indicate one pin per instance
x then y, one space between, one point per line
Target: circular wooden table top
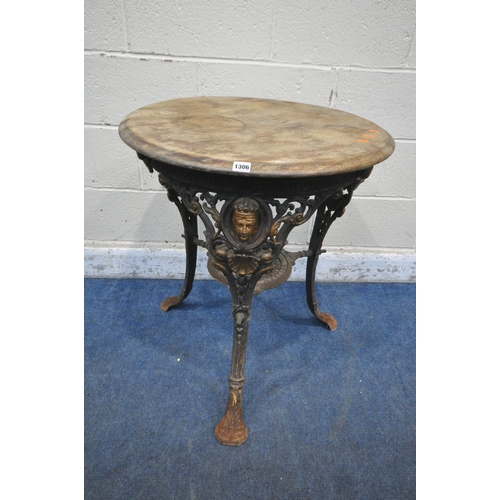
277 138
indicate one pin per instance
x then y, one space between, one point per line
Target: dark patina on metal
300 161
246 228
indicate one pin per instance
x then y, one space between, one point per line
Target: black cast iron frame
284 203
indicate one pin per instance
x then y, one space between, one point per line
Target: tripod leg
190 223
328 211
231 430
312 260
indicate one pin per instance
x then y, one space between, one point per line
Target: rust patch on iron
231 430
170 302
328 319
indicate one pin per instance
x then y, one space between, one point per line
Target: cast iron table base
246 230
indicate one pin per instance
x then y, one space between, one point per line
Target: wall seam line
124 20
257 62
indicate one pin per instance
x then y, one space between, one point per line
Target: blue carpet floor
331 415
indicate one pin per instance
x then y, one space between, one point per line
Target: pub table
252 170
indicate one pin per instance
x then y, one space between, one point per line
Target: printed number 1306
241 166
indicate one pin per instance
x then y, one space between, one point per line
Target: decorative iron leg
231 430
190 223
312 261
327 212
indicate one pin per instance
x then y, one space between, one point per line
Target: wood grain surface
278 138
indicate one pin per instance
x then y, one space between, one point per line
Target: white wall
358 56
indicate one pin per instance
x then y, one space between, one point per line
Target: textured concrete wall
358 56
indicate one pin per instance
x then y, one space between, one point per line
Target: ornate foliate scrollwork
202 204
242 234
210 208
290 213
334 207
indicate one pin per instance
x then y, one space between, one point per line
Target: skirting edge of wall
155 263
